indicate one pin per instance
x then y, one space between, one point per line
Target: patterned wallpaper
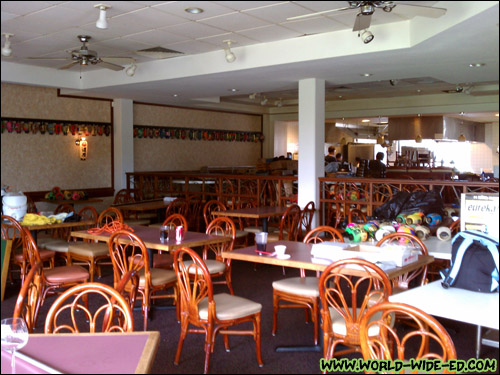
33 162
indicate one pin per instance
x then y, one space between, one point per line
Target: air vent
158 53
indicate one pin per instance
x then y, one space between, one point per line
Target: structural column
311 140
123 114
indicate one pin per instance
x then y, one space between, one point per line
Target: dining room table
96 353
151 238
35 228
152 205
263 213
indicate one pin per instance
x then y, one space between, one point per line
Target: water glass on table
261 241
14 337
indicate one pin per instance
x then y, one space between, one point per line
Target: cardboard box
393 254
479 211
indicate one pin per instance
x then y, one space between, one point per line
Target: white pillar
311 140
123 114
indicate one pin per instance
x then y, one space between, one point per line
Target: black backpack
474 263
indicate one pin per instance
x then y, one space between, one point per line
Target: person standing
376 168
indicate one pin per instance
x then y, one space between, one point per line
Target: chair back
13 231
194 215
306 217
348 288
123 196
406 239
71 311
392 344
356 216
88 213
210 207
194 283
220 226
323 233
109 215
455 227
290 223
178 206
30 249
64 208
28 299
128 253
176 220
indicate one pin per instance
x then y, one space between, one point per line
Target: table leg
264 224
478 342
150 255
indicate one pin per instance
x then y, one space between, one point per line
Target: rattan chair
346 298
429 338
211 314
28 298
300 292
289 225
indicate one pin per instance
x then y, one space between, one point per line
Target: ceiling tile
239 40
245 5
23 8
156 37
276 13
7 16
193 30
210 9
234 22
269 33
191 47
314 25
124 44
147 18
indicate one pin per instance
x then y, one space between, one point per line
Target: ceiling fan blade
67 66
110 66
47 58
318 13
419 10
118 60
362 22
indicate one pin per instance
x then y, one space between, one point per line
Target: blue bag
474 263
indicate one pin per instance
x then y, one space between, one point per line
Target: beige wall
34 162
157 154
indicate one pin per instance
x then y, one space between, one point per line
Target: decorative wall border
196 134
57 127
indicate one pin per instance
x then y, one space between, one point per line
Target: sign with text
479 211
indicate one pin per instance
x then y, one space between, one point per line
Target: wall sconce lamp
83 143
102 23
6 50
230 56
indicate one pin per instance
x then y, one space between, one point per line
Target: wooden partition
337 195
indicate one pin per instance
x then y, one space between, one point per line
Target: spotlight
264 101
101 22
130 71
252 96
230 56
6 50
394 82
278 103
366 36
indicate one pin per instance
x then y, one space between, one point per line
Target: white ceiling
273 54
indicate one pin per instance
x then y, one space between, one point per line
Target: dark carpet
254 284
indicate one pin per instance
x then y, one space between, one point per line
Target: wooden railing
336 194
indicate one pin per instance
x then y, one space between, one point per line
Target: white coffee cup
280 250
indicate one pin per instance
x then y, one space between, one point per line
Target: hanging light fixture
343 141
130 71
461 138
6 50
230 56
418 139
102 23
380 139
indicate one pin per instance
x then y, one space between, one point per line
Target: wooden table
142 206
481 309
263 213
437 248
35 228
300 257
98 353
151 238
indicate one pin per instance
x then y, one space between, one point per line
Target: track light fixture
6 50
102 23
264 101
278 103
252 96
130 71
366 36
230 56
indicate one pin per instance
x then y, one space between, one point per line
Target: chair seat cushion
228 307
133 221
158 276
214 266
66 274
253 229
304 286
44 255
59 245
241 233
339 327
89 249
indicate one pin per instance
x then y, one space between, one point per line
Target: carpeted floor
254 284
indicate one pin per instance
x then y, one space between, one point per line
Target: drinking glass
14 337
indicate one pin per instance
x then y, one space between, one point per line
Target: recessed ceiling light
194 10
365 120
477 65
233 90
366 75
175 95
496 114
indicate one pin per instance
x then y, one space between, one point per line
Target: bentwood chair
92 253
211 314
54 278
129 253
178 206
217 266
88 307
124 196
29 297
61 245
289 225
417 277
345 300
210 207
303 291
12 230
429 338
166 261
356 216
306 217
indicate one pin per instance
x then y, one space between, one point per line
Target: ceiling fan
367 8
84 56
